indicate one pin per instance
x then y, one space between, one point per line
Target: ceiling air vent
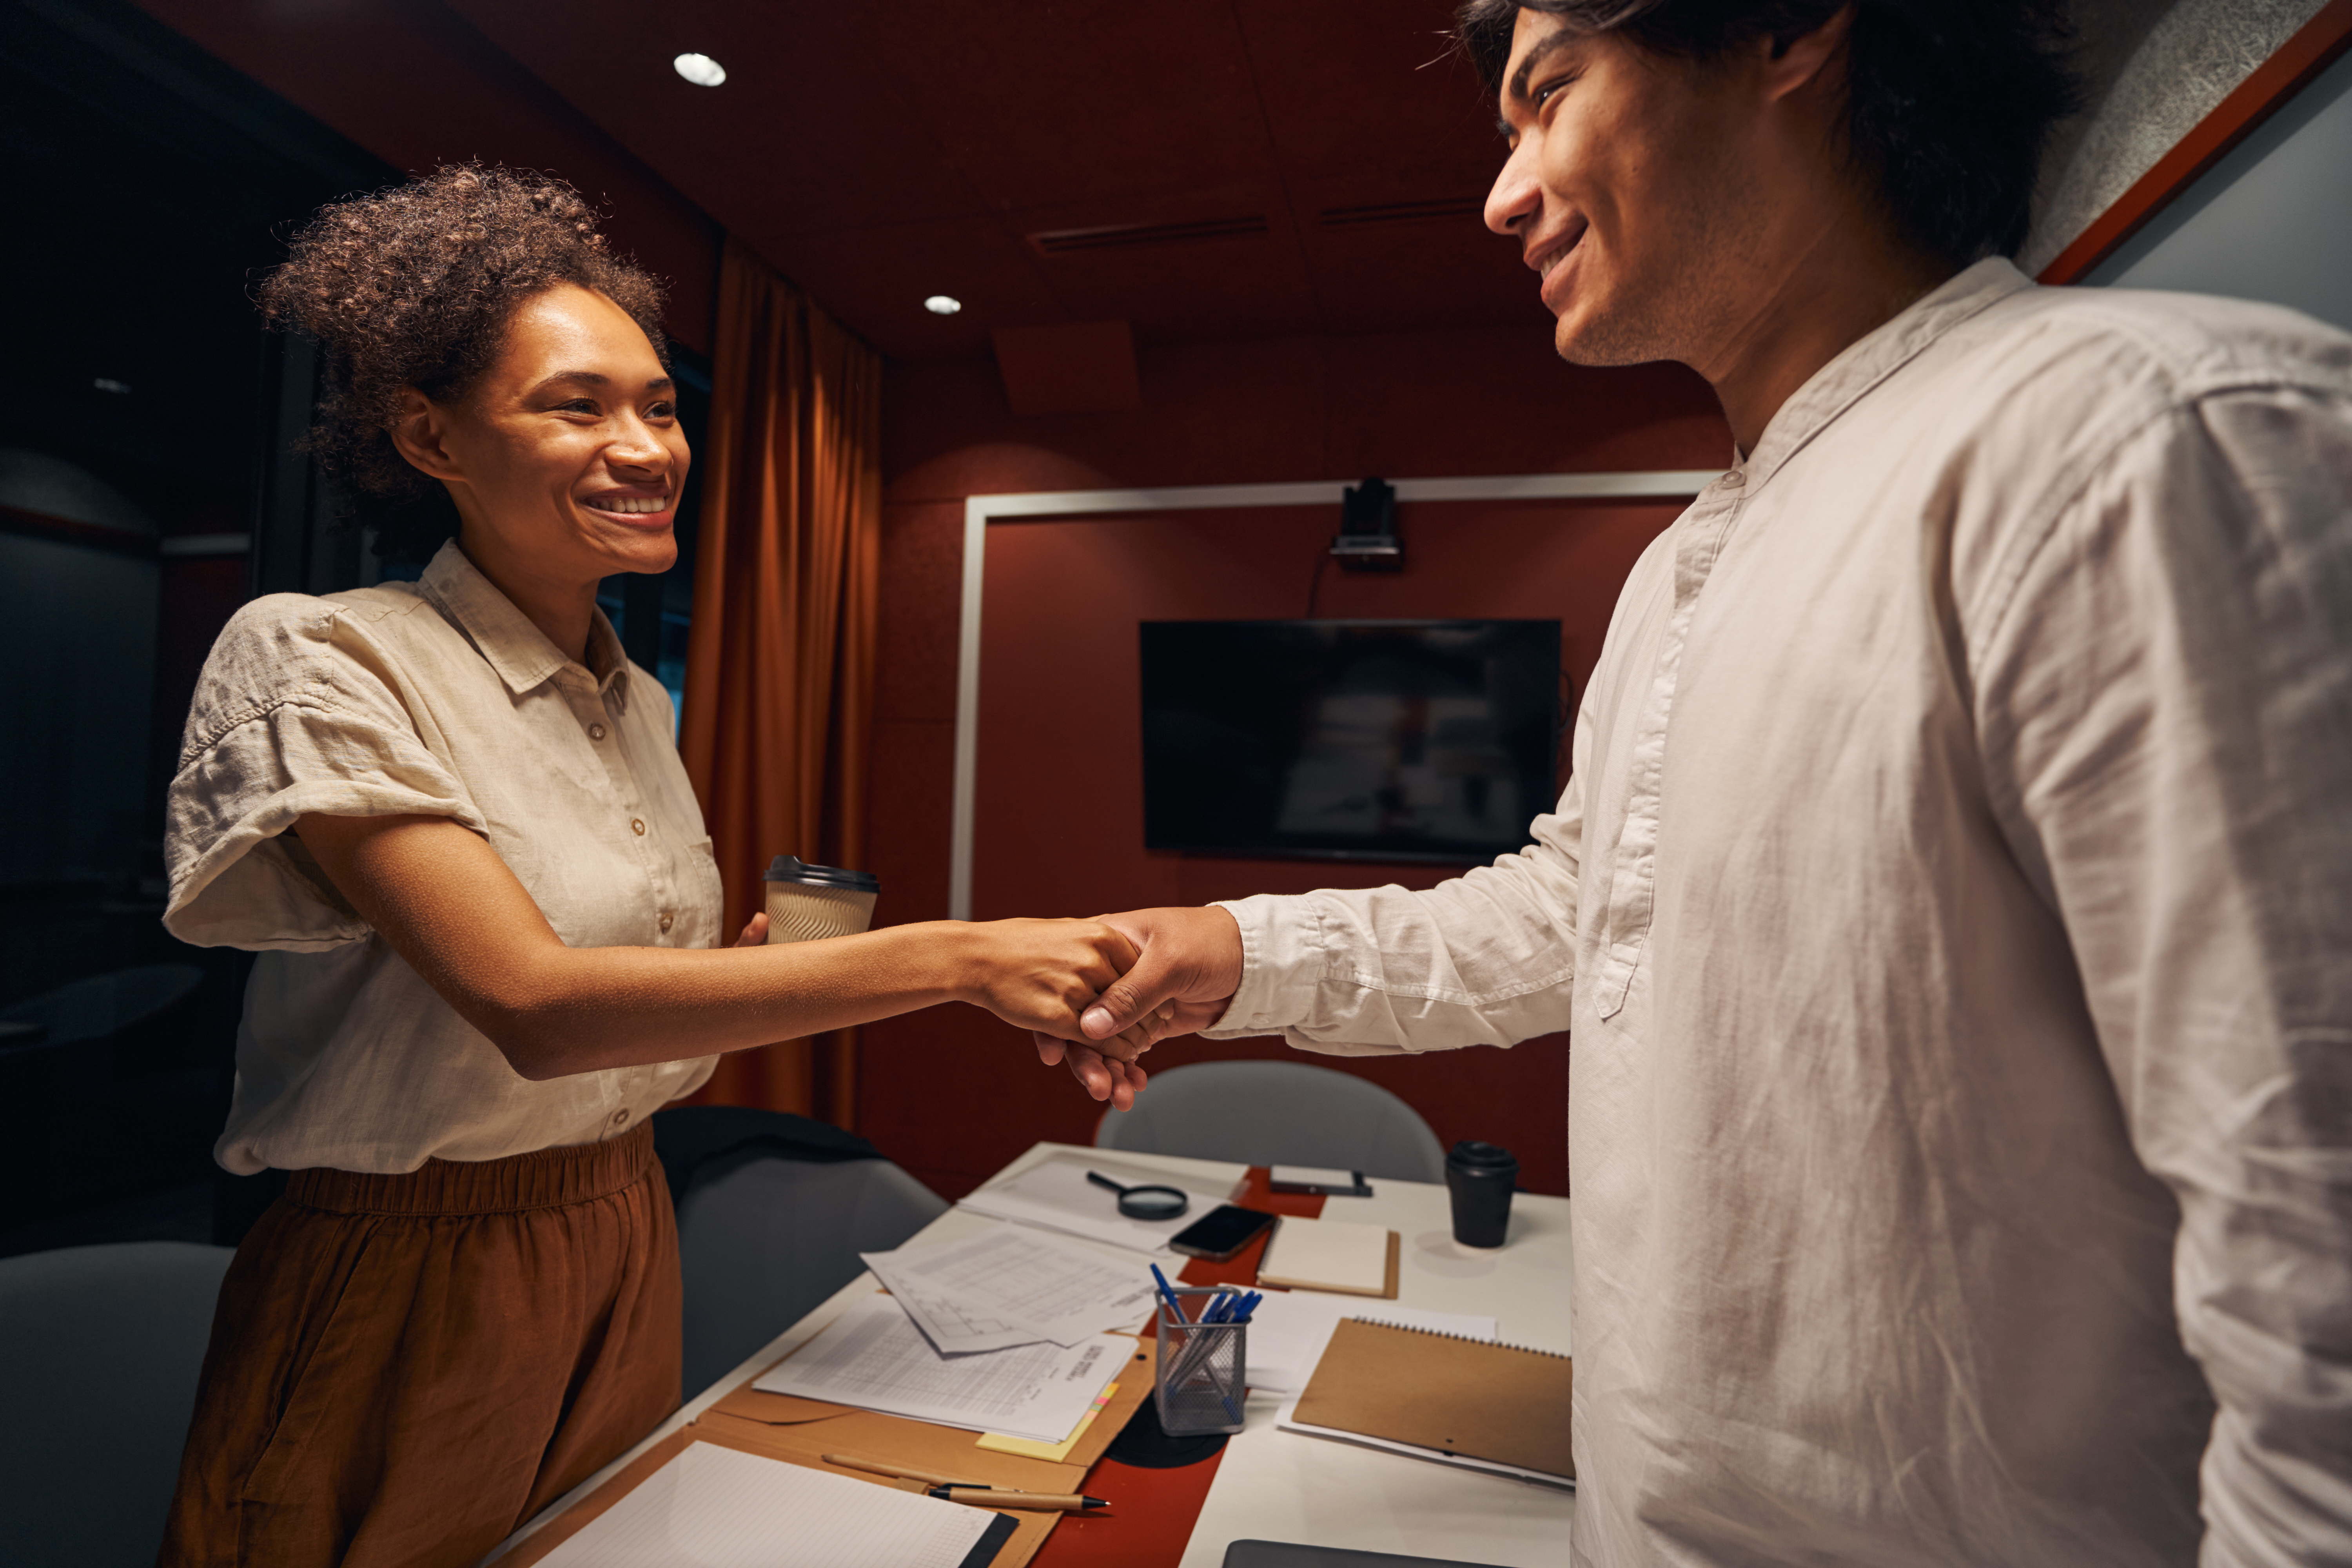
1127 235
1402 212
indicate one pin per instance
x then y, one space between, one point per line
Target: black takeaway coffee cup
1480 1177
808 903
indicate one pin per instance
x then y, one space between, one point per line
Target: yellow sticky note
1052 1453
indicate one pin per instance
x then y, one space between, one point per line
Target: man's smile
1546 259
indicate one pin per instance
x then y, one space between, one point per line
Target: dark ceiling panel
1355 83
877 280
1408 250
1079 100
878 155
805 134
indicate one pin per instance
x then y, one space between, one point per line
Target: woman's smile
634 510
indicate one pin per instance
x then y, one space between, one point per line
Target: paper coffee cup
808 902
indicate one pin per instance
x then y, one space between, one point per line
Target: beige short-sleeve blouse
436 697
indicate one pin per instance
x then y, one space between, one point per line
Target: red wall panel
949 1092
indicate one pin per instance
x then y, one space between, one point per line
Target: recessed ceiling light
943 304
701 69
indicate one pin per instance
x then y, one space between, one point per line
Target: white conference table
1281 1486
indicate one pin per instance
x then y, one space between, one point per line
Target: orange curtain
779 666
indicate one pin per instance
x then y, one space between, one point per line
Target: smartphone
1221 1232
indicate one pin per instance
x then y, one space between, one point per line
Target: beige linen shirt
440 697
1953 909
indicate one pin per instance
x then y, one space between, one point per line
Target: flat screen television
1349 740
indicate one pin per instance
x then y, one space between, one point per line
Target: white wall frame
979 511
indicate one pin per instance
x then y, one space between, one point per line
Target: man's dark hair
414 287
1948 102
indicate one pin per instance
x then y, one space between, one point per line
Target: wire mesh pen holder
1199 1382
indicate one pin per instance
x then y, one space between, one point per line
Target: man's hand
1040 975
1188 967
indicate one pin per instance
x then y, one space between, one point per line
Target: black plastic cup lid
1487 1156
793 868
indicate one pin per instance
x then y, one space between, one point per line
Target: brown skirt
404 1369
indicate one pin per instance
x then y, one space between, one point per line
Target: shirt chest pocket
702 894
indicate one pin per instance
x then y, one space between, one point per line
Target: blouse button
595 731
619 1117
1733 480
637 825
666 920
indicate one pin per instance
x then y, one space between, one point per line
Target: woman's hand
1042 975
1102 1077
755 931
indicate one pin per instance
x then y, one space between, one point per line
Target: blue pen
1167 1294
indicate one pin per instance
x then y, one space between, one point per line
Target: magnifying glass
1144 1203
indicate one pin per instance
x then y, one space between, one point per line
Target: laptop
1285 1554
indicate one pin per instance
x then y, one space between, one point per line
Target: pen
1167 1294
897 1472
985 1498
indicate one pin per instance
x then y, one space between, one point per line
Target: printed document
717 1508
1012 1287
874 1357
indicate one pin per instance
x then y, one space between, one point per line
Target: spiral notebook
1445 1396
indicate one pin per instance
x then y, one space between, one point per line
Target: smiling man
1953 902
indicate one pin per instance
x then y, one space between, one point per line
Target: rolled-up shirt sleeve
2166 706
1486 959
288 720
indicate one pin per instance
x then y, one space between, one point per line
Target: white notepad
718 1508
1327 1255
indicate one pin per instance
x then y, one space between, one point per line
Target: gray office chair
1269 1113
762 1240
104 1345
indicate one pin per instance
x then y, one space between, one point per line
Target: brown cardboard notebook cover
1472 1397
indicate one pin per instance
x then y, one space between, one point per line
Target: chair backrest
762 1240
1276 1113
103 1346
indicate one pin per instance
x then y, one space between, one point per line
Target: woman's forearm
571 1010
449 906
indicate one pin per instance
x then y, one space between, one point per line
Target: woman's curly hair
414 287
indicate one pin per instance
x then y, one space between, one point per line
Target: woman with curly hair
449 815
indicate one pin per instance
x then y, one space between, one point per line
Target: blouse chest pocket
703 893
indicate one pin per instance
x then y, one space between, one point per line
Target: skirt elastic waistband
544 1178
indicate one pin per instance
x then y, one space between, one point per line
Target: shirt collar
1871 359
508 640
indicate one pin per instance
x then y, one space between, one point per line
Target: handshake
1096 995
